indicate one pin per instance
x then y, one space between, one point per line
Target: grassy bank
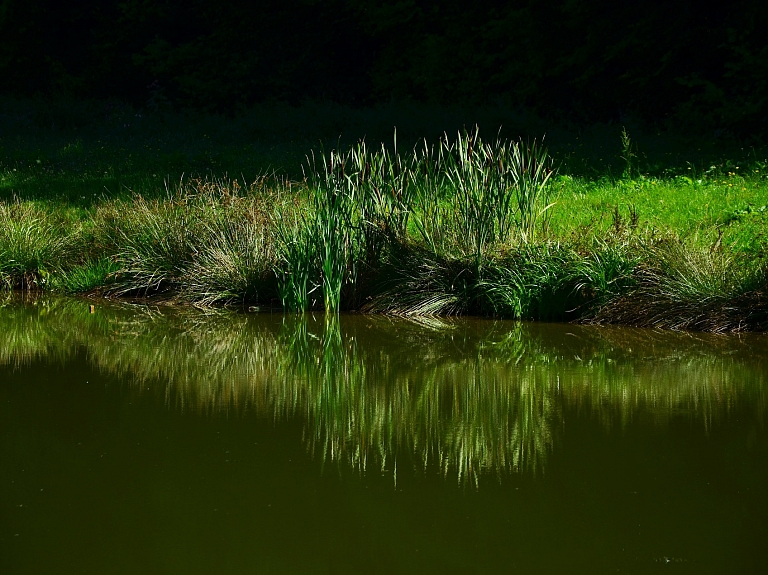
453 225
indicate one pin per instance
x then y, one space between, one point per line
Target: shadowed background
675 63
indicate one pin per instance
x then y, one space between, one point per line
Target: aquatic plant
297 274
333 228
498 189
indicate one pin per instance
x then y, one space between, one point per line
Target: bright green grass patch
87 277
731 205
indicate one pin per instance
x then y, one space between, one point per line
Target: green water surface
159 440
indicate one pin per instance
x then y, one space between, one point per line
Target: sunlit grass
34 243
704 206
340 242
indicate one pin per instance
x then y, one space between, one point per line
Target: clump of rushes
34 244
236 260
542 281
420 282
606 271
89 276
206 243
157 244
682 286
531 282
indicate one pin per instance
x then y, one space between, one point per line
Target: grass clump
208 243
88 277
681 286
34 244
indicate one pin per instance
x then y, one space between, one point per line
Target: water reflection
466 396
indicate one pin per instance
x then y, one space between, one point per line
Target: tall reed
500 187
532 169
297 268
431 197
465 198
333 229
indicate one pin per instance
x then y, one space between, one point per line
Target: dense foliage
675 61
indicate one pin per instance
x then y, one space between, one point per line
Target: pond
138 439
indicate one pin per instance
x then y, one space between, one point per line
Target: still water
145 440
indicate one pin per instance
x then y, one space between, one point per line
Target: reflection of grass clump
470 398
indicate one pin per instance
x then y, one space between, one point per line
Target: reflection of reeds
466 397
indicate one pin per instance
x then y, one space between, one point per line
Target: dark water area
161 440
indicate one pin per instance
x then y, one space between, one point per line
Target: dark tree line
585 60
